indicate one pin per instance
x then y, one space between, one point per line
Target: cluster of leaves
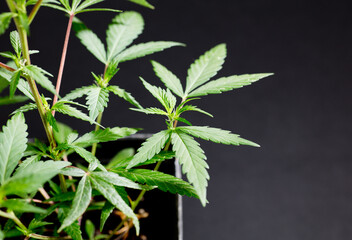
26 168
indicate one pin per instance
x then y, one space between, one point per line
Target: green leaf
9 55
2 235
23 86
192 159
25 108
73 112
163 155
186 108
80 202
143 49
16 42
97 100
99 10
72 171
90 229
3 82
38 75
110 72
89 157
14 81
5 20
168 78
116 180
93 44
110 193
123 94
51 120
75 4
150 147
13 143
227 84
183 120
61 135
105 213
20 205
56 7
71 137
216 135
15 99
74 229
164 97
164 182
105 135
87 3
143 3
125 27
62 197
151 110
78 92
121 156
29 179
37 224
205 67
28 161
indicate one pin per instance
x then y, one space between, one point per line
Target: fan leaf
216 135
205 67
143 49
125 27
150 147
110 193
123 94
80 202
192 159
164 182
227 84
168 78
13 143
38 75
93 44
97 100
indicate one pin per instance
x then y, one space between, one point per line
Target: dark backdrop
298 184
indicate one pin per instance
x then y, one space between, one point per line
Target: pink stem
62 62
7 67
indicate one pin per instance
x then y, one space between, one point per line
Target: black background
298 184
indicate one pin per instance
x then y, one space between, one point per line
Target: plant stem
34 11
44 193
63 183
12 216
97 127
63 58
38 236
3 65
25 51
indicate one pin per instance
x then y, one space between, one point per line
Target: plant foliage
63 177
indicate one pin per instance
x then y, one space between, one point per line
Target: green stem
12 216
41 109
34 11
63 183
25 51
97 127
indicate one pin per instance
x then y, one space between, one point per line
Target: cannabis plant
43 195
